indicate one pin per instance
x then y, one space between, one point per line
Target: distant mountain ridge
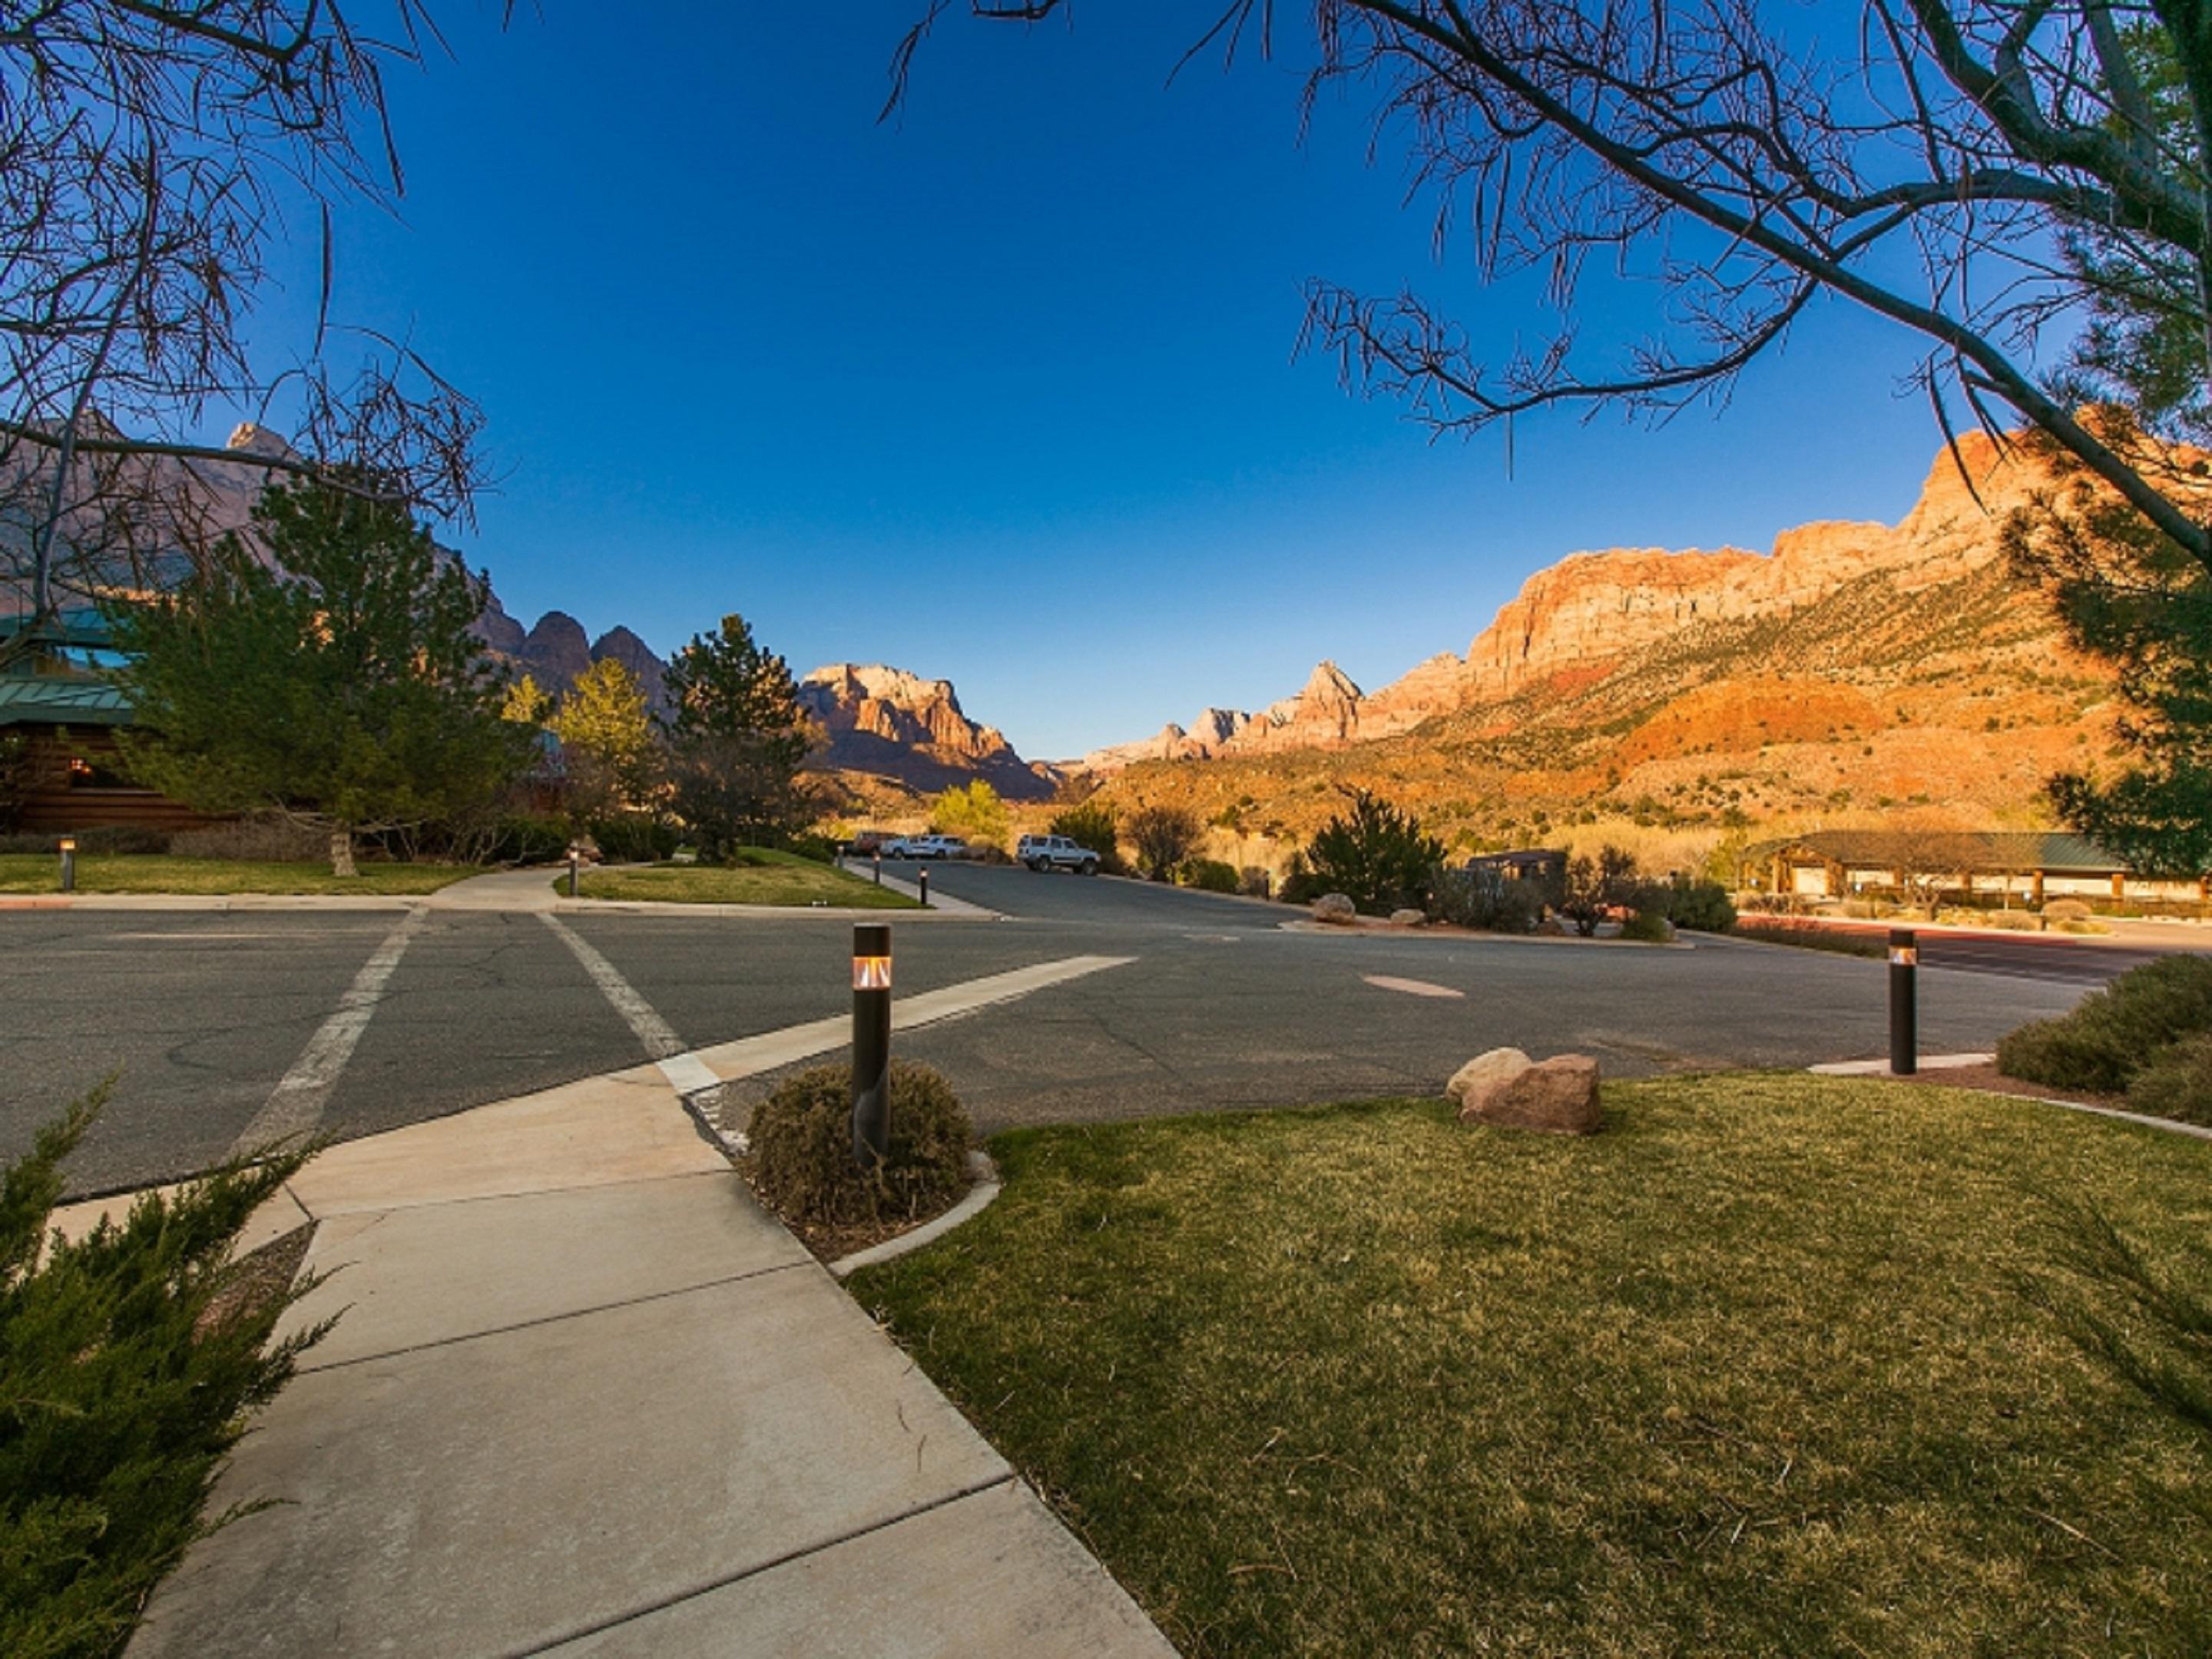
1857 667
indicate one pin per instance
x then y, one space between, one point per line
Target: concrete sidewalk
585 1397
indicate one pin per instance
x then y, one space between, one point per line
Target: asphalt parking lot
205 1018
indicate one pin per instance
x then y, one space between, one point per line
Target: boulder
1484 1076
1335 907
1409 918
1559 1094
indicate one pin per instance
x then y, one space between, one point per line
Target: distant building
56 696
2028 865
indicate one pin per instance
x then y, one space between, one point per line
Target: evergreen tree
1377 855
341 686
736 740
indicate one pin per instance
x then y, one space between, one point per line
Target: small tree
1163 838
1375 856
342 688
1091 824
973 813
1597 887
605 731
736 739
524 702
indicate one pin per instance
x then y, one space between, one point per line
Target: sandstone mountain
884 722
1854 669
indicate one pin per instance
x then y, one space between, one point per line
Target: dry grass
1758 1371
30 872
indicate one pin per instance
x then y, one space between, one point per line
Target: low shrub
2067 910
107 839
2177 1083
1210 876
2004 921
822 849
1649 927
2115 1032
1300 886
128 1363
1253 882
1484 899
255 840
802 1145
632 838
1700 906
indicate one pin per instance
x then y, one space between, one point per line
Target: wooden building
1971 866
55 701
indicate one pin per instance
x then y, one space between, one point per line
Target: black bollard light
879 869
1904 1004
924 874
68 864
575 863
872 1043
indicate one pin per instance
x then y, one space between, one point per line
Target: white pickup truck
1045 852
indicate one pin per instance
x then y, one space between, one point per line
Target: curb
1880 1071
986 1187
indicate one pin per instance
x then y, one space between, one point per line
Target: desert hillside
1855 671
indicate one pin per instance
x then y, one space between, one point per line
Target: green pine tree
736 740
340 686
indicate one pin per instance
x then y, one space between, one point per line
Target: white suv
1043 853
927 846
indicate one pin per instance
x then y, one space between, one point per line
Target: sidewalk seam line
678 1597
552 1319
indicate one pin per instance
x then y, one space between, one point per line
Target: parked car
867 844
1045 852
926 847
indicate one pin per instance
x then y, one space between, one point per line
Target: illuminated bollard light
872 1043
68 864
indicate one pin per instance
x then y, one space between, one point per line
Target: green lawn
1758 1371
35 873
764 877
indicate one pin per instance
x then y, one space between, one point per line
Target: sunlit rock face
888 723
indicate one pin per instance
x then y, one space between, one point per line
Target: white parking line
296 1106
658 1036
749 1056
1412 988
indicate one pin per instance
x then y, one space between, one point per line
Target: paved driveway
354 1022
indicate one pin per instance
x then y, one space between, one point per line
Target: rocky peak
556 652
888 722
624 646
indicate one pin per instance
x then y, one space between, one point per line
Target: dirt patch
260 1277
829 1243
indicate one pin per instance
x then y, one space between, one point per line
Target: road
350 1023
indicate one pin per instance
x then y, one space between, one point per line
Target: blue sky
1005 392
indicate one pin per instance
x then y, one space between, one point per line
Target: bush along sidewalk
801 1163
129 1362
2147 1035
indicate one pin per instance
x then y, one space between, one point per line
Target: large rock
1559 1095
1409 918
1473 1084
1335 907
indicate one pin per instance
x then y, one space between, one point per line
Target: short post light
879 867
575 866
872 1043
923 874
68 864
1904 1003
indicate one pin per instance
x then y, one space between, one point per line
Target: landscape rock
1409 918
1558 1096
1335 907
1473 1084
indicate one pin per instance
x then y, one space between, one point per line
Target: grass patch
161 872
760 875
1757 1370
